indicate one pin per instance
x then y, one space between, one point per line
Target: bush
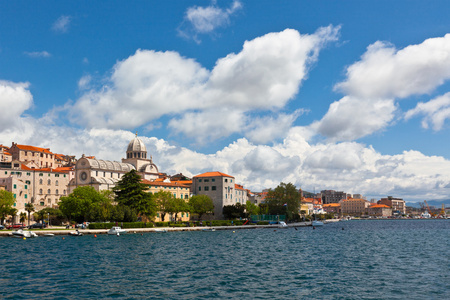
262 223
162 224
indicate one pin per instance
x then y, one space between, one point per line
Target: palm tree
13 213
29 207
22 217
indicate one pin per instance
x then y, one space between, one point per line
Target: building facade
218 186
397 204
380 210
330 196
354 207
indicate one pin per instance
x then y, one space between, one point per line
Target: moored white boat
317 223
24 234
116 230
282 224
76 233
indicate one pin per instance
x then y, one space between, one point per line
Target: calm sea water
395 259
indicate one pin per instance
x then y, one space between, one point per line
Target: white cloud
84 82
351 118
383 76
15 99
62 24
436 112
38 54
264 76
201 20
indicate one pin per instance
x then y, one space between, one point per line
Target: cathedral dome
136 145
136 149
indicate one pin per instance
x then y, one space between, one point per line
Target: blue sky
344 95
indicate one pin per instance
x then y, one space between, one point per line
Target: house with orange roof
379 210
42 157
220 187
5 156
333 208
43 187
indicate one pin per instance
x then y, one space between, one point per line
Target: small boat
116 230
24 234
48 234
76 233
160 230
282 224
209 229
317 223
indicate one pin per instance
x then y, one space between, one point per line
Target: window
6 172
200 180
56 175
26 196
185 196
64 192
48 191
213 188
28 173
27 182
231 180
40 174
199 188
15 198
15 186
57 192
213 179
56 182
41 203
64 175
26 186
206 180
40 181
206 188
49 182
40 191
226 180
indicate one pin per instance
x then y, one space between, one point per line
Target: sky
350 96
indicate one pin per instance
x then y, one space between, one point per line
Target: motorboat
209 229
160 230
24 234
116 230
282 224
317 223
76 233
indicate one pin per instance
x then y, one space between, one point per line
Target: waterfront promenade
59 230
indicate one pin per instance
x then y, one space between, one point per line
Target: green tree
200 205
22 217
163 201
82 204
179 205
13 212
131 192
252 209
6 203
284 199
234 211
29 207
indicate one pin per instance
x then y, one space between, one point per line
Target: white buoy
118 234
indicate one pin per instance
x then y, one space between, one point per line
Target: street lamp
48 219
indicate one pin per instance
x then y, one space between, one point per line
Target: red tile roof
161 183
33 148
213 174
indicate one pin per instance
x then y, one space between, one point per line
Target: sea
357 259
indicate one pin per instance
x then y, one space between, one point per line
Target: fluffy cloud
351 118
264 76
382 76
15 99
436 111
200 20
61 25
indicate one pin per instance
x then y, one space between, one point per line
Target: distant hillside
435 203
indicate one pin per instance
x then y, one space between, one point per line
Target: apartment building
219 186
354 207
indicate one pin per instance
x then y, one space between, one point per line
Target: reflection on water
368 259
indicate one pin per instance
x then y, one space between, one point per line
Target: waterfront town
37 176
